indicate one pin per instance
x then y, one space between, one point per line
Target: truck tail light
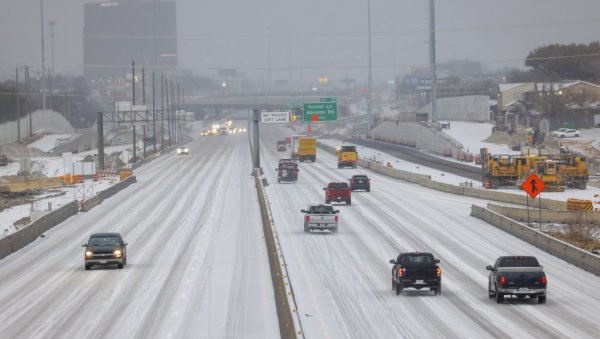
336 218
401 271
544 281
502 280
307 218
438 271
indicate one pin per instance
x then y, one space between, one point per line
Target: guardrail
96 200
571 254
287 310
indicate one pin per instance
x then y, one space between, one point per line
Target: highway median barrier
571 254
287 310
31 232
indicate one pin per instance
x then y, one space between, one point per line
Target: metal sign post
533 186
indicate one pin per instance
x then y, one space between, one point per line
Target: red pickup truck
338 192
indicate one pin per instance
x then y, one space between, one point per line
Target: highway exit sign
325 110
275 117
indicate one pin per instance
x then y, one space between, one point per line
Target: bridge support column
255 146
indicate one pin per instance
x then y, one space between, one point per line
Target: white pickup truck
320 217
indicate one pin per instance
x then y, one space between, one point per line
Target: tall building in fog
117 32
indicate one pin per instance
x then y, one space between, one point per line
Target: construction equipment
347 156
555 170
3 160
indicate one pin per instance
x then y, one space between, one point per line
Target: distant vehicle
560 130
222 130
288 140
183 151
416 270
338 192
320 217
347 156
287 171
360 182
104 249
304 148
3 160
570 133
281 146
520 276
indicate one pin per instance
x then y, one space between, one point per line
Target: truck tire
339 166
327 201
348 202
306 230
120 265
88 267
438 291
541 299
334 230
491 294
398 289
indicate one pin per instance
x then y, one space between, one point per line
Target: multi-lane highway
342 282
197 263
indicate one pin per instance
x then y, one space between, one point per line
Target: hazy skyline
310 38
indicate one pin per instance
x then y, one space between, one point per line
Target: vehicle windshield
348 148
518 262
104 241
422 259
359 177
338 185
322 209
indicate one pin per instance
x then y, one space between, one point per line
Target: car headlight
89 253
117 253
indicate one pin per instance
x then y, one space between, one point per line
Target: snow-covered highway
197 263
342 282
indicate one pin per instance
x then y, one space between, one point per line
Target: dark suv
360 182
105 249
416 270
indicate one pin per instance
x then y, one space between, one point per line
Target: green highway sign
327 99
322 111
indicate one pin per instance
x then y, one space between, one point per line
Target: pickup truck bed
518 276
320 217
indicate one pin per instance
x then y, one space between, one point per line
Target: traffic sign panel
533 186
325 111
275 117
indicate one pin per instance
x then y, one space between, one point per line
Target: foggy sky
311 38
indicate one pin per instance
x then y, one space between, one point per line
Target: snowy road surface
342 282
197 263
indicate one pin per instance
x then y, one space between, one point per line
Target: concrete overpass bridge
279 101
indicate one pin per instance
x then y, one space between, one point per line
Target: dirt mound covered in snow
503 138
16 150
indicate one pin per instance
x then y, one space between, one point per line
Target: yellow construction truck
347 156
304 148
555 170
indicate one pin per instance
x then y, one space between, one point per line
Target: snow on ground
48 142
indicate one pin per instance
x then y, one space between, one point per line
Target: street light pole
432 67
43 60
370 93
52 23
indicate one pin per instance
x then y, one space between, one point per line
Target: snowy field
49 142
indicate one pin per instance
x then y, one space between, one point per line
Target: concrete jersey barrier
548 216
571 254
31 232
287 311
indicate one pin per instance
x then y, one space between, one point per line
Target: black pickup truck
416 270
520 276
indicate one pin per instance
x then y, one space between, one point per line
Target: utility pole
168 111
153 113
370 92
162 112
133 82
100 127
143 87
432 60
18 106
28 86
52 23
255 150
43 60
